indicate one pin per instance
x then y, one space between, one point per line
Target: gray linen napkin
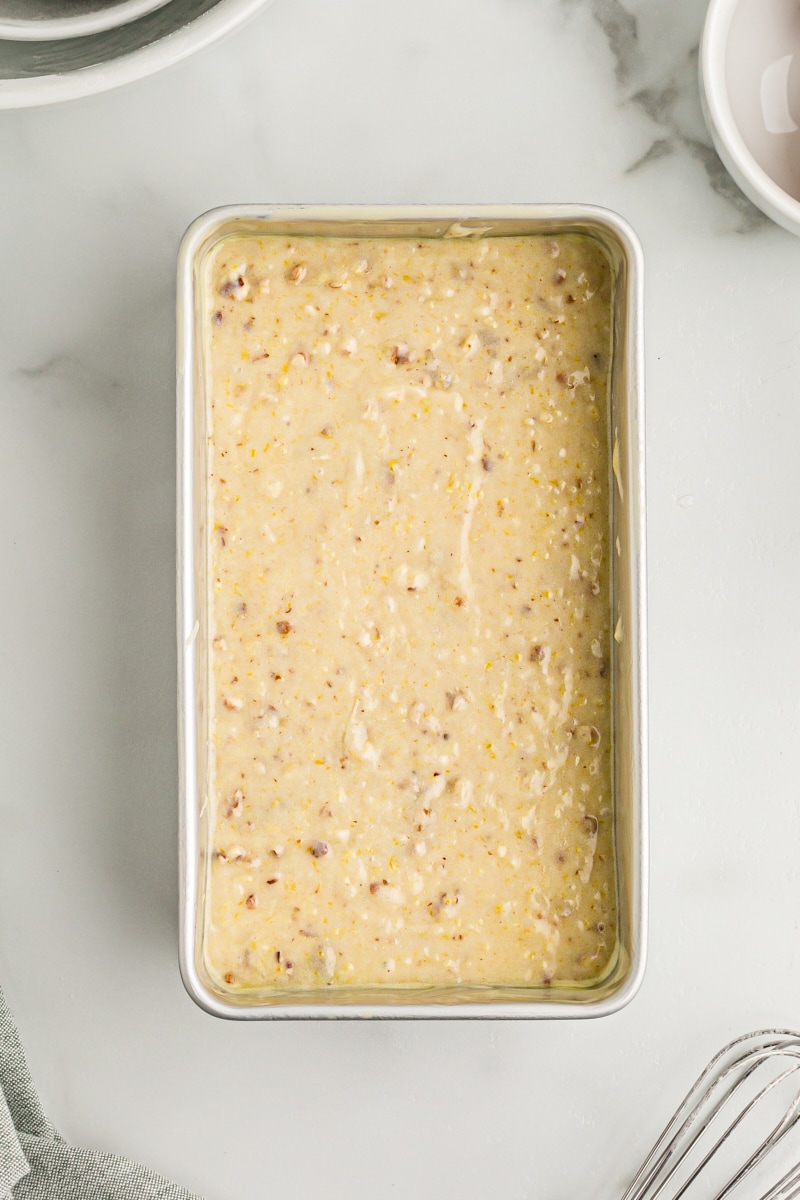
35 1161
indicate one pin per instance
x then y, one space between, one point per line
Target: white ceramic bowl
750 86
51 20
33 73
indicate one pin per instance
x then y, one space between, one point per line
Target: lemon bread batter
410 615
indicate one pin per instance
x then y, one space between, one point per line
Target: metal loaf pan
629 691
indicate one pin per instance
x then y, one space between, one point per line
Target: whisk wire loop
712 1116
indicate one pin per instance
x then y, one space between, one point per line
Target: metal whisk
733 1120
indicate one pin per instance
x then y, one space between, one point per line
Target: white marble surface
448 100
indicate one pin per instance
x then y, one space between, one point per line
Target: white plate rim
55 29
209 27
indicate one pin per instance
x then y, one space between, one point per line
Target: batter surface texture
410 708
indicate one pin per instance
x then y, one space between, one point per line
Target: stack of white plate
53 50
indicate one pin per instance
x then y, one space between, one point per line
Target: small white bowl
52 20
750 88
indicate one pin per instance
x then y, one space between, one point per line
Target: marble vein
668 94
